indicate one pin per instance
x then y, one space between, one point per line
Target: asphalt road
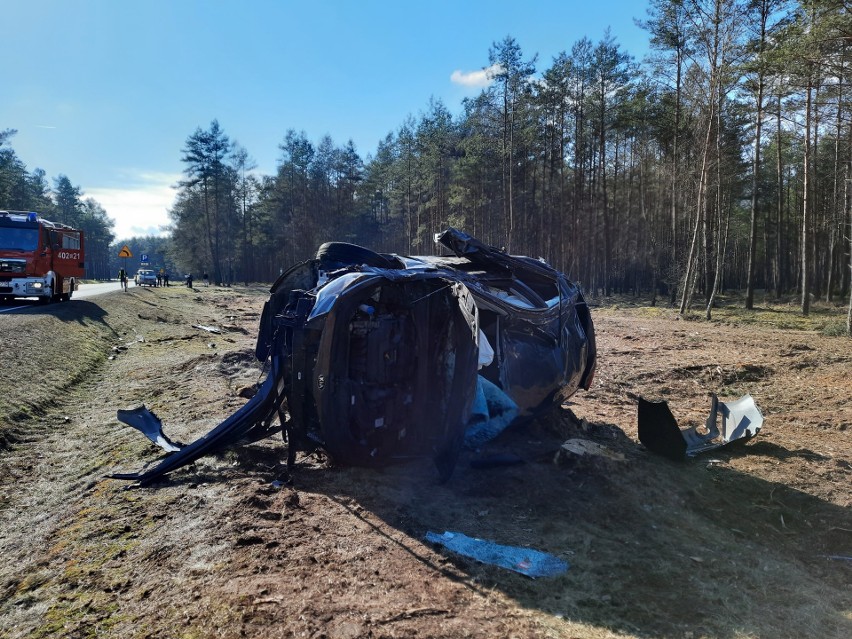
85 291
93 290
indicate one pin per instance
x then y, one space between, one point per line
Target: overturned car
377 358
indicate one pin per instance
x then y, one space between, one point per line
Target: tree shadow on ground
654 546
80 311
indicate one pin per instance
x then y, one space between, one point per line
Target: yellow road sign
125 251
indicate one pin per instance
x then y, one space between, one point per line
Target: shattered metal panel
660 433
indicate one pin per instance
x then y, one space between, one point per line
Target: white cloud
139 204
476 79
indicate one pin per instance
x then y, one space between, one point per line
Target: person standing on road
206 279
122 277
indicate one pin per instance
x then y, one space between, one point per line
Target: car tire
338 254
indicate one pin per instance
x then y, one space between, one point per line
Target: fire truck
38 258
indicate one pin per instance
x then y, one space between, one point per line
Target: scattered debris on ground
233 546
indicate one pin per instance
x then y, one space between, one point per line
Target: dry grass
785 314
735 548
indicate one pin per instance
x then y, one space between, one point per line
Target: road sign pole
125 253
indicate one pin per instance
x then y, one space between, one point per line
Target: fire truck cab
38 258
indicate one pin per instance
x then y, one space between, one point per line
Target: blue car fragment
526 561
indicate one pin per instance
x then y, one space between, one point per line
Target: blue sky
107 91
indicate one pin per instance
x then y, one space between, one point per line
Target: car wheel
337 254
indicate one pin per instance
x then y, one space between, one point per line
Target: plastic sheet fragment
527 561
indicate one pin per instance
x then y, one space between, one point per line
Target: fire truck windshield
18 239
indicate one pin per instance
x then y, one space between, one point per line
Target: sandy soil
750 541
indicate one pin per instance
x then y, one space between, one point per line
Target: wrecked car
376 358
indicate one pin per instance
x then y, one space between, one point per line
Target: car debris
377 358
527 561
492 412
147 423
659 432
576 447
209 329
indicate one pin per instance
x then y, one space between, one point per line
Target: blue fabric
529 562
493 410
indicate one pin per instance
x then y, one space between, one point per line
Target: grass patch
826 319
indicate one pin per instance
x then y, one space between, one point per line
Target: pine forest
719 161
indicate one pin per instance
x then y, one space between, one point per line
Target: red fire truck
38 258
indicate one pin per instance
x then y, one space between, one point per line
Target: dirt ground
751 541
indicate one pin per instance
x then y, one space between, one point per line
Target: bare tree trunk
720 260
722 235
511 231
779 277
846 285
717 62
577 196
755 181
603 197
562 200
691 266
408 215
652 236
849 313
817 221
848 211
849 232
806 203
832 231
674 185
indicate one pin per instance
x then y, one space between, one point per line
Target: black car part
659 432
